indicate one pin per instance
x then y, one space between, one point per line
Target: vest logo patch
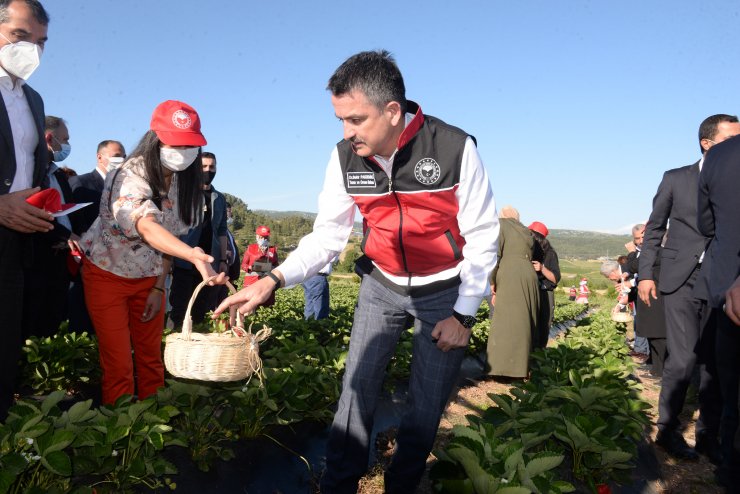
427 171
360 179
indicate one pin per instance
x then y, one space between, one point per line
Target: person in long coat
651 321
515 300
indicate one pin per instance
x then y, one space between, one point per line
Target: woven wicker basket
620 316
229 356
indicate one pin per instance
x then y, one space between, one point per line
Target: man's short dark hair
104 144
37 10
708 128
208 154
52 123
375 74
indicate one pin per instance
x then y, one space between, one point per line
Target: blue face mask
62 154
263 243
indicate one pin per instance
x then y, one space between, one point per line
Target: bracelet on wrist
274 278
157 289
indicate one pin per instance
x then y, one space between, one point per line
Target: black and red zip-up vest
410 217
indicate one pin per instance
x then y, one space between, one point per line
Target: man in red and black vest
430 244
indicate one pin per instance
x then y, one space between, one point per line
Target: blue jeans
641 345
380 318
316 294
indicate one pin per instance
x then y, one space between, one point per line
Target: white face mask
62 154
20 59
178 160
263 242
113 163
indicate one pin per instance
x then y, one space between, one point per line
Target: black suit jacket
718 218
87 187
7 150
674 201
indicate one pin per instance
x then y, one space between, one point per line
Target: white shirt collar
387 164
701 162
7 82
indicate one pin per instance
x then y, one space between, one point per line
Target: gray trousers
380 317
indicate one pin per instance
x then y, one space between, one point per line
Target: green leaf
58 462
483 482
13 463
562 486
610 457
462 431
6 480
543 462
60 440
513 458
79 412
51 401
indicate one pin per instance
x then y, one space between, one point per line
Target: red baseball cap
539 228
177 124
263 231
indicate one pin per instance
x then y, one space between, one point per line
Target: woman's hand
153 305
202 263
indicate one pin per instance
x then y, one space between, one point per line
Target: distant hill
578 244
572 244
279 215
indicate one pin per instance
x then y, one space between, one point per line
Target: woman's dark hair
189 181
544 243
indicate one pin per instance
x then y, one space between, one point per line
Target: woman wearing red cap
153 197
547 266
259 259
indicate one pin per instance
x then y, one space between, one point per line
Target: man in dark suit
47 277
688 324
719 204
210 235
88 187
23 160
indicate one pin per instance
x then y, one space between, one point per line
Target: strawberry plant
59 362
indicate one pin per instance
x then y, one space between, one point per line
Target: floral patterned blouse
112 243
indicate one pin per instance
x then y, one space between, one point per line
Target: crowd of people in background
681 279
152 222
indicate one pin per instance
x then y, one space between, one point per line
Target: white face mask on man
20 59
178 160
113 163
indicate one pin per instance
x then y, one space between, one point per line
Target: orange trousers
115 305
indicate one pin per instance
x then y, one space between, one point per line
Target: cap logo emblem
181 119
427 171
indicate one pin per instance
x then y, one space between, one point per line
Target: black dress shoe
674 444
708 445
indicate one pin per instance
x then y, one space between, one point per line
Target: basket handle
187 323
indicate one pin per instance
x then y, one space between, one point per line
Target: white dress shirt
25 135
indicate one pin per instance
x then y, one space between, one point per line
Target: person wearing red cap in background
583 292
259 259
546 264
149 200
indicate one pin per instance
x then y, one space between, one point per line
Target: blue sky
578 106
